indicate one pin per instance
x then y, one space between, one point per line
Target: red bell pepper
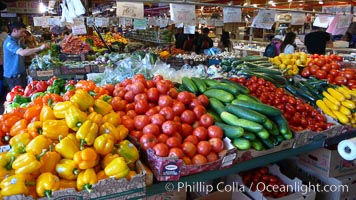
17 90
41 86
30 89
10 96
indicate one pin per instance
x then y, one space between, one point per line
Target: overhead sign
23 7
231 14
264 19
129 9
182 13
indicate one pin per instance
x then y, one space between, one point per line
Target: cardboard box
65 70
105 189
225 195
294 187
173 195
44 73
343 187
327 162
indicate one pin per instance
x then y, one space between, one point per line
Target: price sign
264 19
232 15
140 24
129 9
5 148
78 27
40 21
181 13
54 21
297 18
344 21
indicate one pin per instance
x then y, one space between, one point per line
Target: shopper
14 53
274 47
349 38
225 44
189 43
204 41
46 36
317 41
288 46
180 38
3 35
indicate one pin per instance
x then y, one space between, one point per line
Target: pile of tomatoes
329 67
268 184
169 122
300 115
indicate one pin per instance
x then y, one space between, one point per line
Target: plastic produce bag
78 7
71 10
65 14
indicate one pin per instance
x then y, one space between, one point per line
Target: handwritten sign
129 9
54 21
189 29
264 19
40 21
231 14
219 23
90 21
322 21
78 27
163 22
140 24
151 21
182 13
102 21
297 18
337 9
344 21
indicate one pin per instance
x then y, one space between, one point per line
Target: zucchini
216 105
281 123
221 95
306 96
200 84
265 70
230 131
268 143
257 145
189 85
245 124
291 89
247 97
252 65
246 113
259 107
249 136
241 143
210 82
226 87
313 91
242 89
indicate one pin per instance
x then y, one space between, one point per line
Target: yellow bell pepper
113 118
27 163
119 133
104 144
128 151
106 98
68 146
102 107
101 175
86 179
46 113
67 169
18 143
96 117
5 165
86 158
37 145
107 159
117 168
59 110
53 129
75 117
47 183
35 128
83 99
50 160
65 184
123 132
14 184
87 133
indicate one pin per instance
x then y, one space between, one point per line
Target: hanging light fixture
321 2
42 7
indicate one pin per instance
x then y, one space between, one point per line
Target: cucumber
263 134
242 89
268 124
279 139
200 84
226 87
210 82
288 135
241 143
266 71
247 97
251 65
259 107
216 105
249 136
189 85
221 95
274 130
230 131
216 117
282 124
247 125
257 145
246 113
268 143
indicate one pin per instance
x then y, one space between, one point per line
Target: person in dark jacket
317 41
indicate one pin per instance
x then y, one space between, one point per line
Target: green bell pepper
21 99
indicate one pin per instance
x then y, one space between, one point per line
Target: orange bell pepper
32 111
19 127
50 160
113 118
35 128
86 158
101 175
65 184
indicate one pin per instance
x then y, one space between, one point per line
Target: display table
248 51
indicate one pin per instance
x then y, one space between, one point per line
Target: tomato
339 58
320 74
153 95
206 120
167 112
178 108
204 100
311 63
162 138
141 121
334 65
172 92
313 69
151 128
201 132
150 84
326 67
340 80
140 96
157 119
169 127
187 160
212 156
215 132
136 134
305 72
189 149
126 82
192 138
186 130
199 160
152 111
148 141
137 87
184 97
173 142
217 145
129 96
157 78
188 117
320 62
350 74
300 107
141 107
330 78
162 86
129 124
351 83
165 101
204 148
118 104
161 149
176 152
199 111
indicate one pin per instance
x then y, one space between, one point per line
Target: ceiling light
273 5
270 2
290 0
42 7
245 4
321 2
254 5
